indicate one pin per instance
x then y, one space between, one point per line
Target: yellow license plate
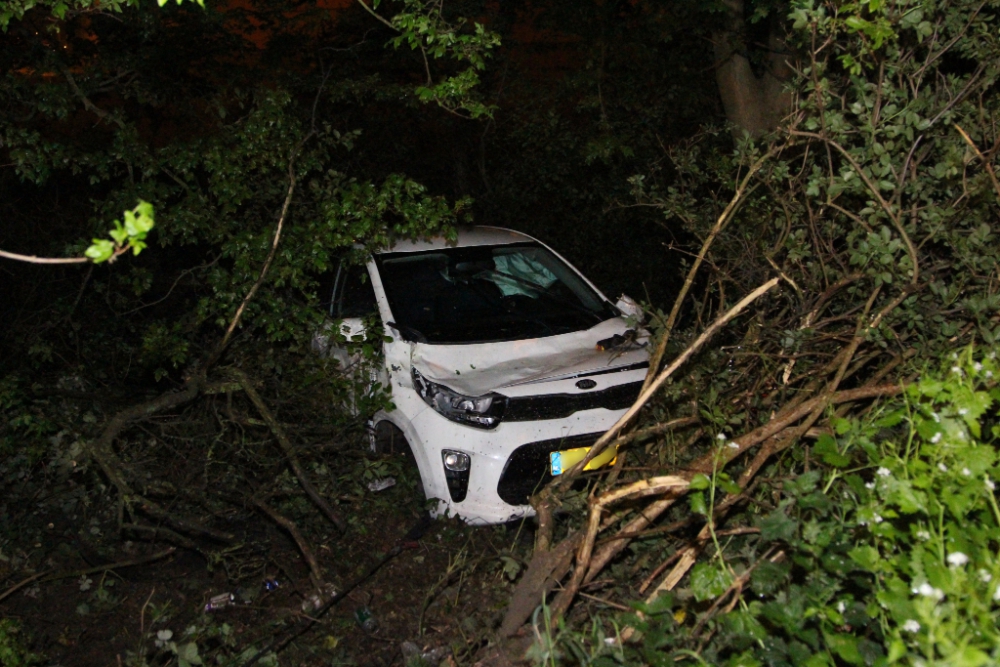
560 462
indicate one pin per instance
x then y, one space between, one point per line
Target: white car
505 363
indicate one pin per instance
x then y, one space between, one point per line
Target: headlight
479 411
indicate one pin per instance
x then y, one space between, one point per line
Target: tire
388 440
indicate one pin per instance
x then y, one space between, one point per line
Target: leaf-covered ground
442 595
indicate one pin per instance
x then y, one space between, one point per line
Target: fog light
455 461
456 472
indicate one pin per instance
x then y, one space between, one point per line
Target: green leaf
865 556
897 649
845 646
100 251
970 657
778 526
700 482
826 448
769 577
119 234
189 653
697 502
709 581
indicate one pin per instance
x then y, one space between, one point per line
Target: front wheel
388 440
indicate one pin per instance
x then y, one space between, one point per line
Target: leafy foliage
138 223
875 203
887 555
63 9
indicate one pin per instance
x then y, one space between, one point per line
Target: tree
755 96
261 183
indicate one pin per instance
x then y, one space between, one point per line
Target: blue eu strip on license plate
555 463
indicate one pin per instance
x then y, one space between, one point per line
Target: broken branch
287 448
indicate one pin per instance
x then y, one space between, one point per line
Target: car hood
479 368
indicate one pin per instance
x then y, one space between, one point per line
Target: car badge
586 384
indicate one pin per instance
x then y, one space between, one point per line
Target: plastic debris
318 599
381 484
271 584
365 620
412 653
312 603
220 601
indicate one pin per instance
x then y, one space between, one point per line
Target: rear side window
351 294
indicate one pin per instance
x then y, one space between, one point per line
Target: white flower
956 369
985 576
977 366
957 559
841 607
911 626
721 436
733 445
963 412
877 519
990 485
929 591
162 637
942 467
966 472
989 374
923 535
883 472
870 485
996 594
936 438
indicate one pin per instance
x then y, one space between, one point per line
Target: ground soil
444 593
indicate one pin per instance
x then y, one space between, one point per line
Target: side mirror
630 308
352 329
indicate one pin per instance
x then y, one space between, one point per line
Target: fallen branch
648 392
102 452
550 571
314 572
287 448
52 575
723 219
671 484
161 533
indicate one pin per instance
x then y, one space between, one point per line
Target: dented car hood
479 368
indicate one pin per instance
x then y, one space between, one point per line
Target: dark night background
165 431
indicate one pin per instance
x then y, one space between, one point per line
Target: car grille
527 469
557 406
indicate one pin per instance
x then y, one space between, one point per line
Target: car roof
467 236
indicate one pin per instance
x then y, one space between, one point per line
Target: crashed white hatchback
505 363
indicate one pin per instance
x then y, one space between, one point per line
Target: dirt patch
442 595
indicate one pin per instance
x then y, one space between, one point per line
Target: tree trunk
753 104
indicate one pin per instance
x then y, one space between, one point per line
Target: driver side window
352 294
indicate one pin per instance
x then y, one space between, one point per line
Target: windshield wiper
410 335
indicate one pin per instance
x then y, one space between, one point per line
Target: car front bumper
507 464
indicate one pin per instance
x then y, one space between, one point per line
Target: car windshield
482 294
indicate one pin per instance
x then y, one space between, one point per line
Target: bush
888 552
